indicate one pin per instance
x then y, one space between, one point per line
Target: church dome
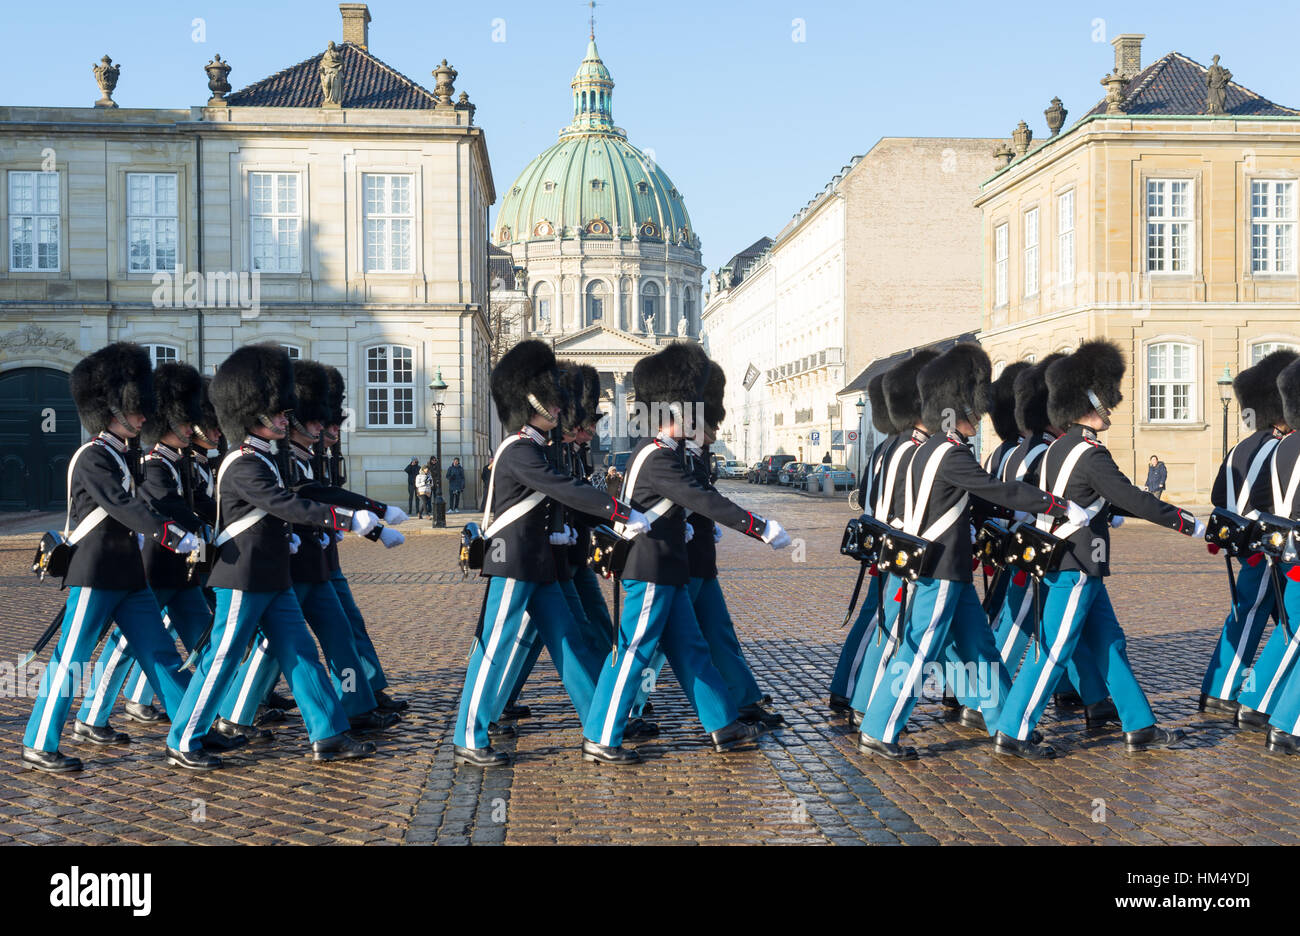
593 183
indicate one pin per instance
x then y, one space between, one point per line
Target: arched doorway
39 431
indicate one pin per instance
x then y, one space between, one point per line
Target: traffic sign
853 435
814 438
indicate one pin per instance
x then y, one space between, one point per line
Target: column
618 415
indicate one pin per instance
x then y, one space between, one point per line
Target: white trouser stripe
56 684
227 637
106 677
485 664
629 656
857 659
1265 583
918 661
1054 654
1282 665
250 678
520 634
1026 602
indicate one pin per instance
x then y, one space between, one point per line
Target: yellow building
1165 220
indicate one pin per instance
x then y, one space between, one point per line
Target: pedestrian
1157 474
826 459
455 483
412 469
423 491
484 476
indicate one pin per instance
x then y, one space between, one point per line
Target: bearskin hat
879 409
1097 366
1288 385
1257 390
902 397
715 387
675 374
178 392
337 386
573 410
955 385
207 412
1031 397
527 368
115 379
590 392
1002 408
256 380
311 387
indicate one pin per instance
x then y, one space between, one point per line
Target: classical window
542 307
162 354
598 226
642 187
390 386
688 307
276 222
1272 226
998 367
151 221
543 229
1000 265
34 222
1262 349
648 229
650 303
1031 252
1065 235
548 186
389 221
1171 381
1169 225
295 352
505 234
597 301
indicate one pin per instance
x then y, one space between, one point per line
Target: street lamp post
857 449
1225 395
438 390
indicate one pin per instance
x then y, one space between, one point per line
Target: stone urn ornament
444 77
1055 115
1021 137
106 74
1114 84
217 71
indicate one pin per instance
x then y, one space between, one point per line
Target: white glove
294 542
1200 529
636 523
323 539
363 521
189 542
1116 522
717 533
690 532
775 535
1076 514
1021 515
390 537
560 539
973 535
572 535
395 515
338 536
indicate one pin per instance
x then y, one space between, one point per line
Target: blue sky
748 122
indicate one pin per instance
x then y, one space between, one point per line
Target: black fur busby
675 374
1097 366
1031 397
178 394
1288 385
207 412
255 381
527 368
337 388
573 409
715 388
590 392
1002 406
311 388
1257 390
902 396
117 379
879 408
954 386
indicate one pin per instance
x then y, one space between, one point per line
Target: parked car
799 479
732 469
770 467
840 476
752 474
785 477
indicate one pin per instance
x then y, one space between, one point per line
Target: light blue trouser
1016 621
1241 630
524 657
238 616
365 646
185 612
1285 713
324 615
1076 612
861 635
87 614
878 646
514 609
587 584
944 620
1275 667
654 615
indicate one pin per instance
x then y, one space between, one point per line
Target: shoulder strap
660 507
1057 489
492 476
886 498
1006 456
492 527
914 512
176 475
99 514
1028 461
248 520
1282 502
1237 501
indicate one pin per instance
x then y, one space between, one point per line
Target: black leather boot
388 704
1217 706
218 743
1282 742
1250 718
1099 713
482 757
840 706
193 760
277 701
735 734
1067 700
972 718
898 752
515 712
638 729
270 716
232 730
99 734
373 720
144 714
602 754
755 713
1029 750
498 730
1153 736
341 747
49 761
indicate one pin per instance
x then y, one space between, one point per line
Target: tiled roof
501 267
367 82
1175 86
881 365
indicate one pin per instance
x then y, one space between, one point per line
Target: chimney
356 24
1128 55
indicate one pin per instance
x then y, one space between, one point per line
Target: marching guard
1083 389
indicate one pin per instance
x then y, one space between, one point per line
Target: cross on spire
592 19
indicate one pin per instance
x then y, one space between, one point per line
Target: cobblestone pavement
804 785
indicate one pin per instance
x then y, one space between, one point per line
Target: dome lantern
593 92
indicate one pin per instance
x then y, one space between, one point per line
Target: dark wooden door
39 431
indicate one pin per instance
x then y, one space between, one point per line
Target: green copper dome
593 182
